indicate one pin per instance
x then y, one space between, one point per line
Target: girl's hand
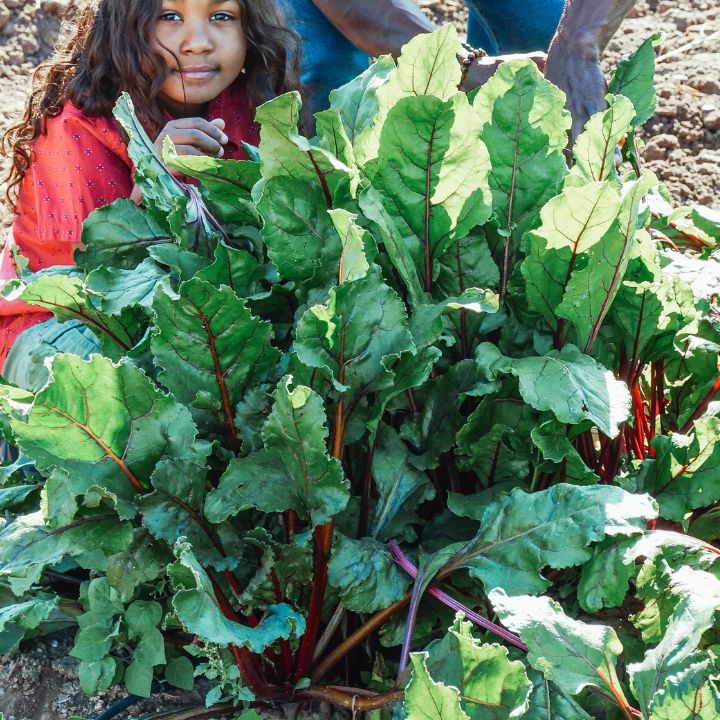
195 136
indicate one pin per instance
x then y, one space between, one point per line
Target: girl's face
204 45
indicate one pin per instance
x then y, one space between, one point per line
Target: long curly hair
95 62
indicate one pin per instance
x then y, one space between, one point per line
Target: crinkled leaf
27 546
197 610
524 127
594 149
426 699
106 425
211 350
431 185
570 653
574 386
175 509
571 224
697 597
356 336
292 471
300 236
119 289
118 235
237 269
492 687
591 290
522 533
366 574
400 486
685 472
69 299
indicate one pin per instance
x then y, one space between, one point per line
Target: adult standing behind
340 35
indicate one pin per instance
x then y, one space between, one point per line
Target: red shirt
78 165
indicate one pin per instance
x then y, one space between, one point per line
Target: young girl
195 69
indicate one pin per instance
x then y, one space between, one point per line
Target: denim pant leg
329 60
513 26
25 363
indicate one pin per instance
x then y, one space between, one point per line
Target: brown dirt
683 148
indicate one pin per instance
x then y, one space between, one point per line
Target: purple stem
403 561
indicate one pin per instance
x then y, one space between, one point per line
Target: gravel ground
682 147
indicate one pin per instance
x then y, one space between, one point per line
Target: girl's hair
95 62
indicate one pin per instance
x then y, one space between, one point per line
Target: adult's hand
481 70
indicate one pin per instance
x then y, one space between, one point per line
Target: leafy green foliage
413 355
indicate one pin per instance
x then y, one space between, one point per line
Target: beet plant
409 418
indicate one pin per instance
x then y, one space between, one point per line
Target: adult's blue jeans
512 26
497 26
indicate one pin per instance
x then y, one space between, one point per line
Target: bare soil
682 147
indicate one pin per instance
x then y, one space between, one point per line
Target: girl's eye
222 17
169 16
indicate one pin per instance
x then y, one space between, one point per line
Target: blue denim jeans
497 26
25 363
512 26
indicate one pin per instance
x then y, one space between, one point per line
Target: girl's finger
206 144
189 150
209 128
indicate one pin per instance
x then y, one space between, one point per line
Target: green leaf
399 485
142 562
356 336
19 618
180 673
353 260
592 289
69 299
551 438
431 185
300 236
197 610
138 679
426 699
571 224
225 184
366 574
524 127
120 289
211 350
106 425
432 431
27 546
490 455
697 597
522 533
634 78
575 387
293 471
604 580
594 149
175 509
702 703
237 269
286 153
570 653
357 101
683 475
492 687
548 702
650 315
118 235
97 676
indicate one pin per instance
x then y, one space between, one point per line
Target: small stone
712 120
